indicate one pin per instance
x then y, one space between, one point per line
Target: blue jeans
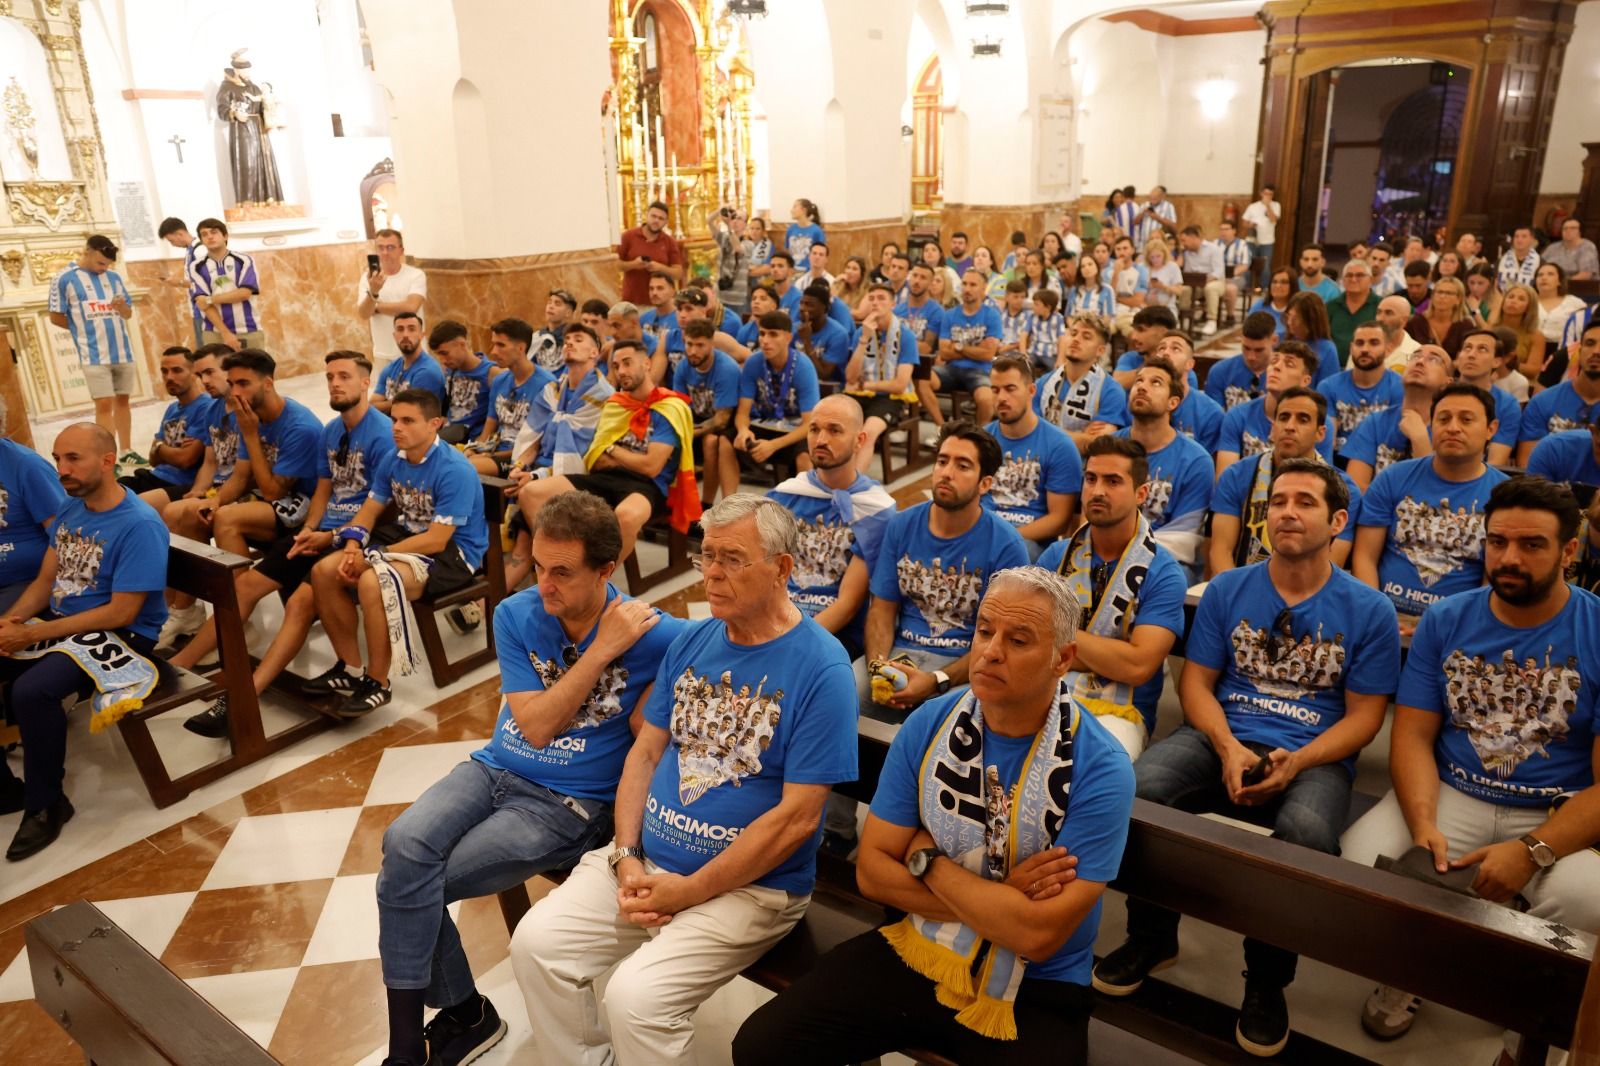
475 832
1185 772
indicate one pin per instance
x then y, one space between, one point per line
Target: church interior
216 898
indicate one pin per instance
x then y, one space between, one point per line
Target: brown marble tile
483 933
11 944
29 1036
75 885
335 1013
677 604
327 783
215 819
365 853
184 869
239 930
910 495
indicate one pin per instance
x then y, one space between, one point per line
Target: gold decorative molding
50 203
5 7
11 263
46 265
41 379
58 42
53 6
86 149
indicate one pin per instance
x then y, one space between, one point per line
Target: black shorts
449 570
726 433
887 408
289 574
785 456
144 480
923 369
614 486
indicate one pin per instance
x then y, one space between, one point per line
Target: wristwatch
941 681
921 861
631 852
1542 854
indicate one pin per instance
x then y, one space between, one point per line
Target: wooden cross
177 142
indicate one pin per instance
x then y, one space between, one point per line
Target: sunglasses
1281 637
569 655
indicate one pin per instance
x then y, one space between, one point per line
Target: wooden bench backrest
201 570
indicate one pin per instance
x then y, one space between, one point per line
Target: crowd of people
1337 484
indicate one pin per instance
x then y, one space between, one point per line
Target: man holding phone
646 251
390 287
1291 663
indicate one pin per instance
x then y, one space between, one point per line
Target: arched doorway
927 138
1417 155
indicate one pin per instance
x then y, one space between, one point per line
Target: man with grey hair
1355 305
718 813
967 835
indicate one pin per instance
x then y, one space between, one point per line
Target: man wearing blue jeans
577 659
1291 663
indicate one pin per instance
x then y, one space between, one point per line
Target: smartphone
1258 773
644 259
372 264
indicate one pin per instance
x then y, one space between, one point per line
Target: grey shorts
116 380
960 378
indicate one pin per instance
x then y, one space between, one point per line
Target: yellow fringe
1107 709
882 690
951 972
955 1001
106 717
990 1017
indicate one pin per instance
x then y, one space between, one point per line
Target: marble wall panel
477 292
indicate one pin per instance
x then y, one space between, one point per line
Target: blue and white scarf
1113 616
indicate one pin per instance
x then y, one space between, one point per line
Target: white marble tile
405 773
347 928
270 848
16 983
150 920
252 1001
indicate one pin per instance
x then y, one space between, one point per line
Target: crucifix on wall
177 142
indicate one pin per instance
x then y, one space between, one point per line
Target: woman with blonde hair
851 286
1445 322
1165 276
1519 312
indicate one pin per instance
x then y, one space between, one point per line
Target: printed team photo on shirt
225 444
5 505
546 352
349 476
1016 484
1279 665
702 399
1436 539
789 410
464 391
415 503
822 554
510 408
1347 416
720 733
78 563
1157 499
946 596
1388 455
1511 711
604 701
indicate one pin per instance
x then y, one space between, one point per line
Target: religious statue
240 104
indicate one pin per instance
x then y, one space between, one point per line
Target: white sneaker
181 622
1209 328
1389 1012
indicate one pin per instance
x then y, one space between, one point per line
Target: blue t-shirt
960 328
653 323
1508 413
1132 360
292 441
827 544
1031 468
937 581
467 397
1199 418
1160 603
1518 703
789 303
1231 496
1287 692
1554 410
1246 430
1378 441
709 390
1265 305
1435 531
832 345
509 404
30 492
1327 289
181 422
217 427
1231 383
102 552
423 373
661 432
585 759
1099 806
1327 360
761 386
1350 404
353 461
744 720
1180 485
443 488
798 239
1566 456
922 320
839 314
1054 388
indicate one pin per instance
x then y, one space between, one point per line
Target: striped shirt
1236 254
98 332
1101 302
1149 227
236 270
1044 337
196 252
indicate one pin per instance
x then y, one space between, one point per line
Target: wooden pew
657 530
489 586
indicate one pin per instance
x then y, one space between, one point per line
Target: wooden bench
659 531
911 425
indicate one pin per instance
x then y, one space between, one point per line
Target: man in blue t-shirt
777 391
467 376
1079 395
356 446
1571 455
1492 753
978 864
1197 417
1129 589
1177 469
710 379
30 495
881 368
1036 487
1247 429
1476 361
934 564
1291 663
824 341
1421 525
415 369
1368 388
577 659
177 450
969 337
511 397
1241 378
714 858
435 543
97 597
1404 430
1569 405
216 429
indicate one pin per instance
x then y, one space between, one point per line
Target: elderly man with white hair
718 813
979 796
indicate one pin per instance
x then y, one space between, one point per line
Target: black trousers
861 1001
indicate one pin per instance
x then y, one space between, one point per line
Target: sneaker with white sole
336 680
1209 328
181 622
367 696
465 618
1389 1012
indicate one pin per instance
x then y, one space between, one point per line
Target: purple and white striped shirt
235 270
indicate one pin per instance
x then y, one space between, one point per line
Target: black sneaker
39 831
392 1061
1263 1027
1124 970
366 697
334 681
465 618
212 722
453 1042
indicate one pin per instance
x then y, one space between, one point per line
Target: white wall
1577 112
1121 101
1201 153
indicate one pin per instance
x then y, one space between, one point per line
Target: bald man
1393 314
98 598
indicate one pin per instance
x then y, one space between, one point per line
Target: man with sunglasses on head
577 661
1291 663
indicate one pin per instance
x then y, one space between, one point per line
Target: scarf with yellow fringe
975 977
122 677
623 414
1113 616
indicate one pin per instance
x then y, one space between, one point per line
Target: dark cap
102 244
565 297
697 297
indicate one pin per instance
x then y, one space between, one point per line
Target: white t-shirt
1072 243
1266 222
406 281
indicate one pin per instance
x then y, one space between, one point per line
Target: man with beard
1239 502
1247 429
466 382
1036 487
1355 305
1079 395
415 369
647 252
1241 378
969 337
179 447
1430 510
660 315
1290 665
511 396
1504 815
879 373
1573 403
1312 279
1366 389
1402 431
1128 588
1178 469
101 578
1393 314
1476 361
710 379
357 444
777 392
